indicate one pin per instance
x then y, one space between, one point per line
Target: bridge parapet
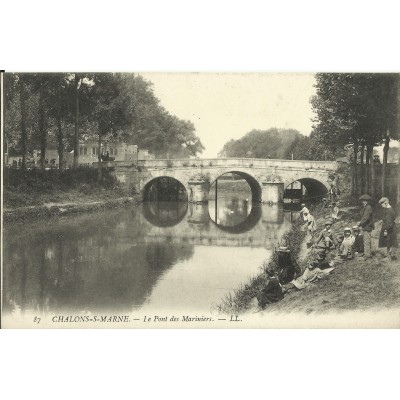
237 162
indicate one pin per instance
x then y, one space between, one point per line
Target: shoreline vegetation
49 210
34 194
352 285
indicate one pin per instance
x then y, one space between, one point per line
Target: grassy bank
37 194
353 285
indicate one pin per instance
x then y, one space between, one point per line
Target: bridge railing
236 162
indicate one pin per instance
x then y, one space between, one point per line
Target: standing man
367 224
387 237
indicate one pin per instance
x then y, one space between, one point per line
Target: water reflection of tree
96 265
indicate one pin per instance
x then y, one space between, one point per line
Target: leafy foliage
355 107
280 144
272 143
119 106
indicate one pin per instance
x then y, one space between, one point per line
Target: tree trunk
355 174
384 164
362 169
42 129
368 171
372 167
60 144
76 133
24 136
99 160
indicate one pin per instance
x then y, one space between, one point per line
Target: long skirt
390 240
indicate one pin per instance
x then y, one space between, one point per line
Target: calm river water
159 256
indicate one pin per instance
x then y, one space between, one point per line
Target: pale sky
225 106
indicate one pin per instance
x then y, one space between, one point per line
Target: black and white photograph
200 199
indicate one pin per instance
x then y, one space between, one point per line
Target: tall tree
110 108
355 109
58 104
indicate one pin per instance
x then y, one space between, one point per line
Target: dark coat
358 246
367 219
388 225
271 293
288 269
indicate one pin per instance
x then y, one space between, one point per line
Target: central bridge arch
256 190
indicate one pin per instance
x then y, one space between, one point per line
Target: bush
35 180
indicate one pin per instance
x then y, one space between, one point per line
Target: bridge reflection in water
159 254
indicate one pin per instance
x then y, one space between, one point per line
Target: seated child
326 239
346 247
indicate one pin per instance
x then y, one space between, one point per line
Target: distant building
88 154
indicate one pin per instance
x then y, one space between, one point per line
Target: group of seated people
347 244
287 275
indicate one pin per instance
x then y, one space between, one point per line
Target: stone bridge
267 178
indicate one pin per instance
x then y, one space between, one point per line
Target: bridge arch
307 188
164 188
256 190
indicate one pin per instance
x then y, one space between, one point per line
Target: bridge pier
198 191
272 192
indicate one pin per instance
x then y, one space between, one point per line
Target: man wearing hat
327 237
387 237
358 245
288 268
367 224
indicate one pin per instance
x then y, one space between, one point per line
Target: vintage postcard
200 200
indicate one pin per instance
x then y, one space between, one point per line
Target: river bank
40 194
355 285
48 210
